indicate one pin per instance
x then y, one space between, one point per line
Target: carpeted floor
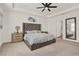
60 48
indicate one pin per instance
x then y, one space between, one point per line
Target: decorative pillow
36 31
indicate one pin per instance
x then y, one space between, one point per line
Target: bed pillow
30 32
34 31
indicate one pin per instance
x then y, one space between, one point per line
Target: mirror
71 28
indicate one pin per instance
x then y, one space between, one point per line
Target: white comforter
35 38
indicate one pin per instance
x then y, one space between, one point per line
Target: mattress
34 38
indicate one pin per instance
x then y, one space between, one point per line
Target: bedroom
53 22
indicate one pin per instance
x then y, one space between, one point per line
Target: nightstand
16 37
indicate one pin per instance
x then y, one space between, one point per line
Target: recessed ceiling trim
25 11
35 13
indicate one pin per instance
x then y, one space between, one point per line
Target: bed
37 39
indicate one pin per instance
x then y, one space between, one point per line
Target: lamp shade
17 28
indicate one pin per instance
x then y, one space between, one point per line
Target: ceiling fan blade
49 10
52 6
39 7
43 4
49 3
43 9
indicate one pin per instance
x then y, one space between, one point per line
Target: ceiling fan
47 5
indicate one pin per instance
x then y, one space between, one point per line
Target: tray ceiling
31 7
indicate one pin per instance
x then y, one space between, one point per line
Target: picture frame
31 19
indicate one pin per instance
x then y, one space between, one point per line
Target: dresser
16 37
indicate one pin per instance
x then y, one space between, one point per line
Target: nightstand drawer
18 37
19 34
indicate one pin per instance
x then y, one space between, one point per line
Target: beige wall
62 17
13 19
1 14
74 13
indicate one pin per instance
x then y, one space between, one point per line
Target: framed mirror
71 28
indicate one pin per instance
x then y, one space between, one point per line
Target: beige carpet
60 48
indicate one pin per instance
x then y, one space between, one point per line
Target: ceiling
31 7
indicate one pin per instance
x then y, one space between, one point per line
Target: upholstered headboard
30 27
